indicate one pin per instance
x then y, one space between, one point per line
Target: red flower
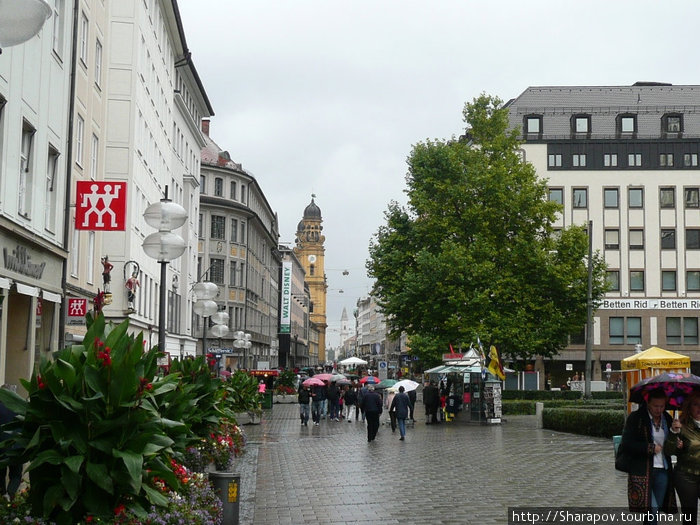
40 382
119 509
89 519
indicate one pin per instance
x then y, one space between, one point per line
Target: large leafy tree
474 252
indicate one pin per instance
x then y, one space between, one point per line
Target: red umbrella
371 380
323 377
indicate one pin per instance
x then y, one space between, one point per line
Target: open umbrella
313 381
337 377
386 383
369 380
676 385
353 361
323 377
407 385
343 382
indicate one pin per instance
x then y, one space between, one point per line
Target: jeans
324 408
402 426
335 408
688 489
659 483
304 413
316 411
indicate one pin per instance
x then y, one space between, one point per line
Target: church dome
300 226
312 211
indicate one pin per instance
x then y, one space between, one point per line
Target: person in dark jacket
412 397
350 400
372 409
333 402
317 397
304 398
431 400
401 405
650 484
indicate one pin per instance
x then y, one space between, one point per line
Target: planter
248 418
284 399
227 488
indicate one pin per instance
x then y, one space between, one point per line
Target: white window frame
94 156
610 160
57 42
98 63
75 253
84 34
79 136
51 193
26 170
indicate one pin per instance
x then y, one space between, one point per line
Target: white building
34 159
626 158
155 102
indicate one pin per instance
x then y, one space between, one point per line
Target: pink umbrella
313 381
323 377
372 380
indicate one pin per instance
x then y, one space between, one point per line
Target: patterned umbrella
676 385
386 383
313 381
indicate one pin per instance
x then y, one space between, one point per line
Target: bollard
539 407
227 488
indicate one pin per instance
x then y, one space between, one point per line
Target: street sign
77 308
100 205
382 370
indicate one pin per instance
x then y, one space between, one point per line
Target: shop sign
100 205
77 308
650 304
21 262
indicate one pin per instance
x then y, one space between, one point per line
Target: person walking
388 398
650 486
333 402
360 397
683 441
324 399
401 405
317 403
372 409
350 399
412 397
431 400
304 398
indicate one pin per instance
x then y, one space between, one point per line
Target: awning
51 297
27 290
655 357
5 283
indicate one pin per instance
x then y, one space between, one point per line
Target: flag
481 349
495 366
452 351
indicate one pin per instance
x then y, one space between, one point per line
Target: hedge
515 407
601 423
543 395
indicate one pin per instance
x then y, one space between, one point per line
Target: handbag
622 459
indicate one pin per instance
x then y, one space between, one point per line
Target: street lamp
205 306
21 20
242 340
164 246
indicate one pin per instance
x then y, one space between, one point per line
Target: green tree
474 252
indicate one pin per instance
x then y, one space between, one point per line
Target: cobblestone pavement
452 473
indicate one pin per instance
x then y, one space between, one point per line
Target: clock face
312 258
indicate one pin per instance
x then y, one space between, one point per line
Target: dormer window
626 124
533 124
581 124
672 123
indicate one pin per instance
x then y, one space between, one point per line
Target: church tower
344 326
310 252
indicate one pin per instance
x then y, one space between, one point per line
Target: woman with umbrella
649 487
684 442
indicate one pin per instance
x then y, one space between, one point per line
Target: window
692 280
636 281
580 198
625 330
556 195
50 208
218 227
75 253
26 169
554 160
690 160
79 134
689 335
201 226
668 239
233 269
612 277
94 152
672 123
533 124
582 123
612 239
234 230
243 193
617 330
578 160
219 187
233 190
98 63
203 184
610 160
692 239
312 269
611 197
636 239
634 330
692 197
216 271
635 197
242 236
666 160
667 197
58 27
627 123
668 280
634 159
84 28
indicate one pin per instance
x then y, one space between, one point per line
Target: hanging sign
100 205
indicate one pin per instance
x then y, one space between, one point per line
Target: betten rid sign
650 304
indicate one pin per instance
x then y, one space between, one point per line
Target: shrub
286 378
284 390
517 407
541 395
602 423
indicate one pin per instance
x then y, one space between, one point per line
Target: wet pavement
452 473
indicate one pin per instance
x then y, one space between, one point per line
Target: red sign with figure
100 205
77 308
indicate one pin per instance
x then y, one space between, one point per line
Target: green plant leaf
65 371
98 474
74 462
71 482
133 461
53 457
155 496
13 401
53 495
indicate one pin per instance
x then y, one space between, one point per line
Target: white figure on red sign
94 198
132 284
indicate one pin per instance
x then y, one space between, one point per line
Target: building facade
310 251
294 344
626 158
237 250
35 87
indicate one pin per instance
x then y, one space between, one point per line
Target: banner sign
100 205
650 304
286 310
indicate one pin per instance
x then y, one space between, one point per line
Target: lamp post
21 20
164 246
242 341
205 306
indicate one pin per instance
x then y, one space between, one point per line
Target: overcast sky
327 97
